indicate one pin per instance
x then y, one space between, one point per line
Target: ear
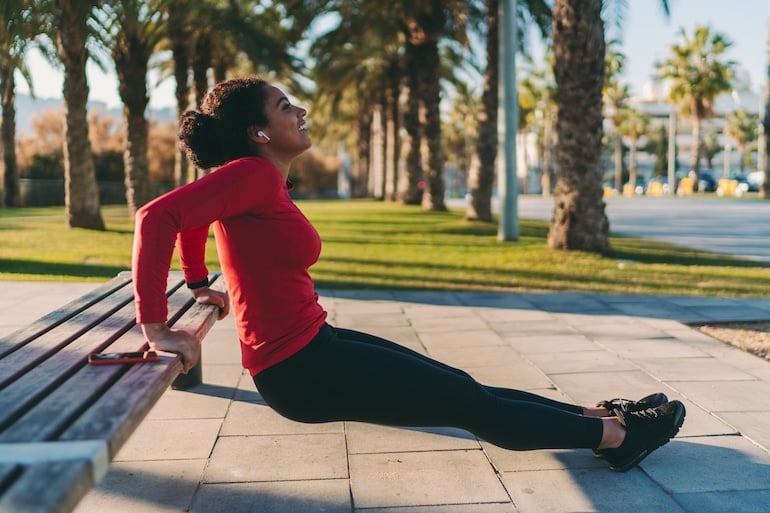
257 135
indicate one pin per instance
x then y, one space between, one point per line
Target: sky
646 35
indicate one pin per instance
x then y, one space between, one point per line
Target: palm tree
579 220
220 36
537 91
19 25
131 29
178 29
741 128
481 179
423 25
634 125
616 96
698 73
710 148
81 195
363 67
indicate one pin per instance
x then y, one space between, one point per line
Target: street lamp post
507 179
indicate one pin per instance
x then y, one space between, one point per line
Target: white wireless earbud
260 133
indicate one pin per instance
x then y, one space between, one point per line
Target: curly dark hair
218 132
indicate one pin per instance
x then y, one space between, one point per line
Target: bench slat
117 413
60 336
8 472
53 487
50 397
21 337
65 397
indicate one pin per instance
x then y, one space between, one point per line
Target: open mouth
303 127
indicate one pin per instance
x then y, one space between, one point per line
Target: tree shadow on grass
36 267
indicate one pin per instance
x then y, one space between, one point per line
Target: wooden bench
62 420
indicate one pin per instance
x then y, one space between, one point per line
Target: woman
304 368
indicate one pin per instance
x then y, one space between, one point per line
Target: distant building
653 102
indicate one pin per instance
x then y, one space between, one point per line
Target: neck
283 165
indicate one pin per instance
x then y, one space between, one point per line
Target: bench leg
192 378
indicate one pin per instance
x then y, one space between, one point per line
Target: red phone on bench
119 358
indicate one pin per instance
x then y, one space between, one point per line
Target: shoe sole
659 443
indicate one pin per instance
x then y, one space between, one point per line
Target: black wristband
198 284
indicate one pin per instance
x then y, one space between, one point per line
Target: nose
301 112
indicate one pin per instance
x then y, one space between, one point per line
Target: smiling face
287 130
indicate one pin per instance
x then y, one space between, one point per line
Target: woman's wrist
153 330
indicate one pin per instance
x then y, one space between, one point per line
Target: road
738 227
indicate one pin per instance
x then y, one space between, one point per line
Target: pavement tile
720 463
494 300
551 326
145 487
579 361
551 459
587 491
556 343
277 458
521 374
598 327
249 418
368 438
753 425
724 396
171 439
462 339
484 356
591 387
359 321
423 479
632 347
692 369
752 501
462 322
309 496
210 399
516 316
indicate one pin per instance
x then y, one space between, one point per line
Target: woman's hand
163 338
209 296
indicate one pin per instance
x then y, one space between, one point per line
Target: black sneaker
646 430
649 401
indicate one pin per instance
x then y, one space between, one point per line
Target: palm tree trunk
430 94
392 157
200 65
179 42
409 192
618 158
81 194
579 219
481 178
632 164
12 196
360 177
131 57
548 175
695 151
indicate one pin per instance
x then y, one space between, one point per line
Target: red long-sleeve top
265 246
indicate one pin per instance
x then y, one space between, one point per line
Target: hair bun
198 133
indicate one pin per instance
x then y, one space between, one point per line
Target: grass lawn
369 244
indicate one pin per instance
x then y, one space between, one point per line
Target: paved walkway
219 449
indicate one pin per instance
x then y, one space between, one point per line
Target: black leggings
348 375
